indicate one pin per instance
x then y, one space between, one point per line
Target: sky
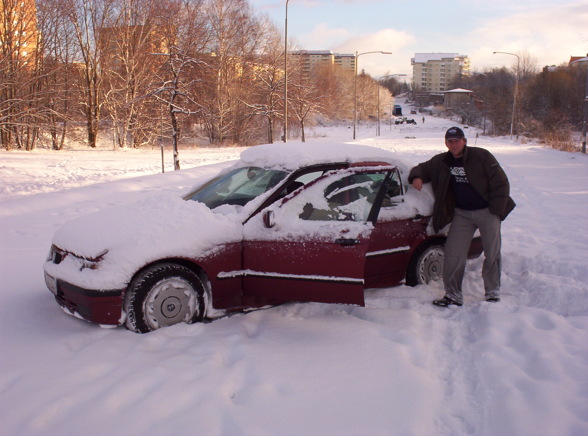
549 31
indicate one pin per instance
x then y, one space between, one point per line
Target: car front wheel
164 295
426 265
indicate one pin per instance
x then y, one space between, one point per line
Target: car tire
163 295
426 264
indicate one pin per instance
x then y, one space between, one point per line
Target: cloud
384 40
327 36
389 40
342 40
549 34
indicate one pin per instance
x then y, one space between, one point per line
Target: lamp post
286 75
514 101
357 55
585 117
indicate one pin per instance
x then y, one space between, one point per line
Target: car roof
291 156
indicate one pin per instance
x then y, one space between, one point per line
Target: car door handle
346 242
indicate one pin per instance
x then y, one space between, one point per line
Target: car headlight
58 255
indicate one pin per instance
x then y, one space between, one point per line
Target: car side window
300 181
394 191
347 199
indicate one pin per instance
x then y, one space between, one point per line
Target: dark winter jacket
484 173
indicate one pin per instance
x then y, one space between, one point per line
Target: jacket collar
449 156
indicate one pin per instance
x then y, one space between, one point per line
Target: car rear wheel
164 295
426 265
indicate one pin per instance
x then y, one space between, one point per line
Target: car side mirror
269 218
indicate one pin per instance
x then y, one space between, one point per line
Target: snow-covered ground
399 366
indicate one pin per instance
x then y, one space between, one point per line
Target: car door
398 228
390 246
311 246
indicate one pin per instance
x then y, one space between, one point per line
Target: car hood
126 238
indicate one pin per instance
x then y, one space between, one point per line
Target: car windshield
237 187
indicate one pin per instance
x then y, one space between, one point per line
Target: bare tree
494 89
267 78
129 69
87 18
367 89
393 85
20 85
185 35
57 50
305 98
234 35
335 86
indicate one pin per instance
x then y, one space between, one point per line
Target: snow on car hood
134 235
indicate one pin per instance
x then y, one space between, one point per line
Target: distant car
287 222
410 121
398 121
413 111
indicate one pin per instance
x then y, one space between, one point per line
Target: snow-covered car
286 222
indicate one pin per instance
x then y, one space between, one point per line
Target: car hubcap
431 266
169 302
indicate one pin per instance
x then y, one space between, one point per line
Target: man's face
456 146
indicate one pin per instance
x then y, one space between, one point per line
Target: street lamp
514 101
286 75
585 116
357 55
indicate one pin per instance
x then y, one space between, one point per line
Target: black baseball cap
454 133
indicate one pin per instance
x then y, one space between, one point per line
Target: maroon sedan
287 222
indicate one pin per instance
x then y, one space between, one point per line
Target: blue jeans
464 225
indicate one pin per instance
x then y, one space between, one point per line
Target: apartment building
433 72
18 31
345 61
313 60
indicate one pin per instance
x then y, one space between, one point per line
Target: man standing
471 192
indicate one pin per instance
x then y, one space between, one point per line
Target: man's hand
417 183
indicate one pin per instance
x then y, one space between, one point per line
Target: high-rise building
313 60
345 61
433 72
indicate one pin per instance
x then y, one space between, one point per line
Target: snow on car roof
293 155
